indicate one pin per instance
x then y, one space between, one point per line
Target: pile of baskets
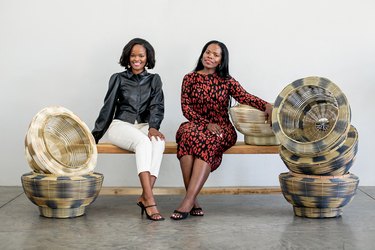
252 123
311 119
62 154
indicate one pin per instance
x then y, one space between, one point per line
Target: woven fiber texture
252 123
318 213
58 142
311 116
61 196
335 162
318 192
261 140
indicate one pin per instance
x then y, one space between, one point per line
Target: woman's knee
157 142
143 143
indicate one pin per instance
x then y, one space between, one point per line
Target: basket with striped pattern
61 196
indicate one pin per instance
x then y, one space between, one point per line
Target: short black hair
150 53
223 69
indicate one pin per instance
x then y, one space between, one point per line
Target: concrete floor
231 222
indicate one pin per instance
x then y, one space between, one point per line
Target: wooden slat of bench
171 148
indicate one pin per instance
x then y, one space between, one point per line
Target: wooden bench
171 148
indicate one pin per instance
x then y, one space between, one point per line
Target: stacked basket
311 118
252 123
62 153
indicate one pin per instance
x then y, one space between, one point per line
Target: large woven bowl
62 196
261 140
58 142
252 123
318 196
311 116
335 162
242 113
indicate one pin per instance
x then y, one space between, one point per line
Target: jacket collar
130 74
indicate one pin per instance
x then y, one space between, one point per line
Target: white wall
63 53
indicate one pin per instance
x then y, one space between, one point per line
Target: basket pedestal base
312 212
61 212
261 140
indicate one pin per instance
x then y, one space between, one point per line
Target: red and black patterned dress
205 99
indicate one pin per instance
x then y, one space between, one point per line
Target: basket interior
308 114
67 141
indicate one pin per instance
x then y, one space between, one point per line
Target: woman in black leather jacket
132 113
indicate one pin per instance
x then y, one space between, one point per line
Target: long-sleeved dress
205 99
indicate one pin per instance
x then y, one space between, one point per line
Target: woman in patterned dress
202 140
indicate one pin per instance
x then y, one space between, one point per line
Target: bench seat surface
171 148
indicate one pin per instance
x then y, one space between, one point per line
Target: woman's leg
147 197
186 164
149 154
130 137
156 158
158 146
200 172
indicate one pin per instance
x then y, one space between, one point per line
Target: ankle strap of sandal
150 206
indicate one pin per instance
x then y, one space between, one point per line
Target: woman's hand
154 132
215 129
268 112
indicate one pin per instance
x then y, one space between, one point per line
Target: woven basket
252 123
242 113
317 213
335 162
327 195
311 116
255 129
261 140
62 196
58 142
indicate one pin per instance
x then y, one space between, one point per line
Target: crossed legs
148 177
148 154
195 173
147 197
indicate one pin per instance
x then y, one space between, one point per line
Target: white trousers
134 137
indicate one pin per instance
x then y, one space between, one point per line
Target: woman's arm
107 111
243 97
156 105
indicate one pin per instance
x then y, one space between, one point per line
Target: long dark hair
150 53
223 69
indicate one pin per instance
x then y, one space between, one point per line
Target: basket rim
279 110
311 81
43 158
349 144
320 177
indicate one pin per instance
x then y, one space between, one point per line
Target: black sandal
196 211
181 215
152 216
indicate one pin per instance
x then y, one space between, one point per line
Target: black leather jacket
131 98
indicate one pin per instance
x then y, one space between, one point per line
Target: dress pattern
205 99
